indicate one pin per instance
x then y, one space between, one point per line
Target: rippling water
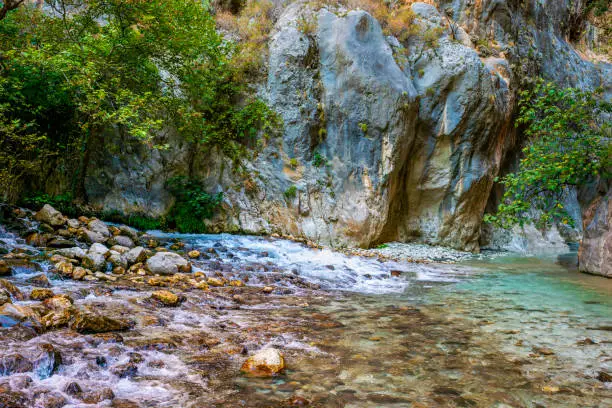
497 331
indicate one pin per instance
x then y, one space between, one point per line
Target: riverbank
354 331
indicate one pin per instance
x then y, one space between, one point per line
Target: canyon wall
383 139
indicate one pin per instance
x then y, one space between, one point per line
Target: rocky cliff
383 139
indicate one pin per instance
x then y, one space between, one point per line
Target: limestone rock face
595 254
383 139
166 263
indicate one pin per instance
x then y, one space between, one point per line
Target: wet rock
136 255
79 273
166 263
73 252
128 232
118 270
265 363
544 351
50 400
97 396
101 361
14 363
166 297
5 297
12 399
11 314
215 282
58 302
604 377
95 259
5 269
121 249
236 283
268 289
64 268
116 259
90 323
194 254
60 243
40 281
36 239
91 237
50 215
123 241
56 319
41 294
297 401
72 223
98 227
127 370
123 403
48 362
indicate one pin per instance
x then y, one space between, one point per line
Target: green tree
569 144
83 68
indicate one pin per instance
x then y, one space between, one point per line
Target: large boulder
166 263
595 254
265 363
50 215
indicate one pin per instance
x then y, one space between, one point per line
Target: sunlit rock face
596 249
382 139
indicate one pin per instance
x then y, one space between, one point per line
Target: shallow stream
491 331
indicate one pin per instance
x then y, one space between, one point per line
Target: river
491 331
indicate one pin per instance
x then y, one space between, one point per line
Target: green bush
61 202
569 145
291 192
318 160
192 206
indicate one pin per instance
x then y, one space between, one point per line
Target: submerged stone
265 363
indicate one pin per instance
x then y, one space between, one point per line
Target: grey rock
123 241
166 263
50 215
595 254
95 258
73 253
92 237
135 255
98 227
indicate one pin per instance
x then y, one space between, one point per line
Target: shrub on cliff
570 144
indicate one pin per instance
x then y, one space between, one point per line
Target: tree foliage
76 69
569 144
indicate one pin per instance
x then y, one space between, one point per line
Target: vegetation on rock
569 145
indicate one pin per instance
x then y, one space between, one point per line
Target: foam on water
331 269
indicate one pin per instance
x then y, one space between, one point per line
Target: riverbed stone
97 396
11 314
14 363
72 253
98 227
40 281
5 296
12 289
90 323
136 255
79 273
91 237
123 241
48 361
166 297
95 259
166 263
41 294
265 363
50 215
